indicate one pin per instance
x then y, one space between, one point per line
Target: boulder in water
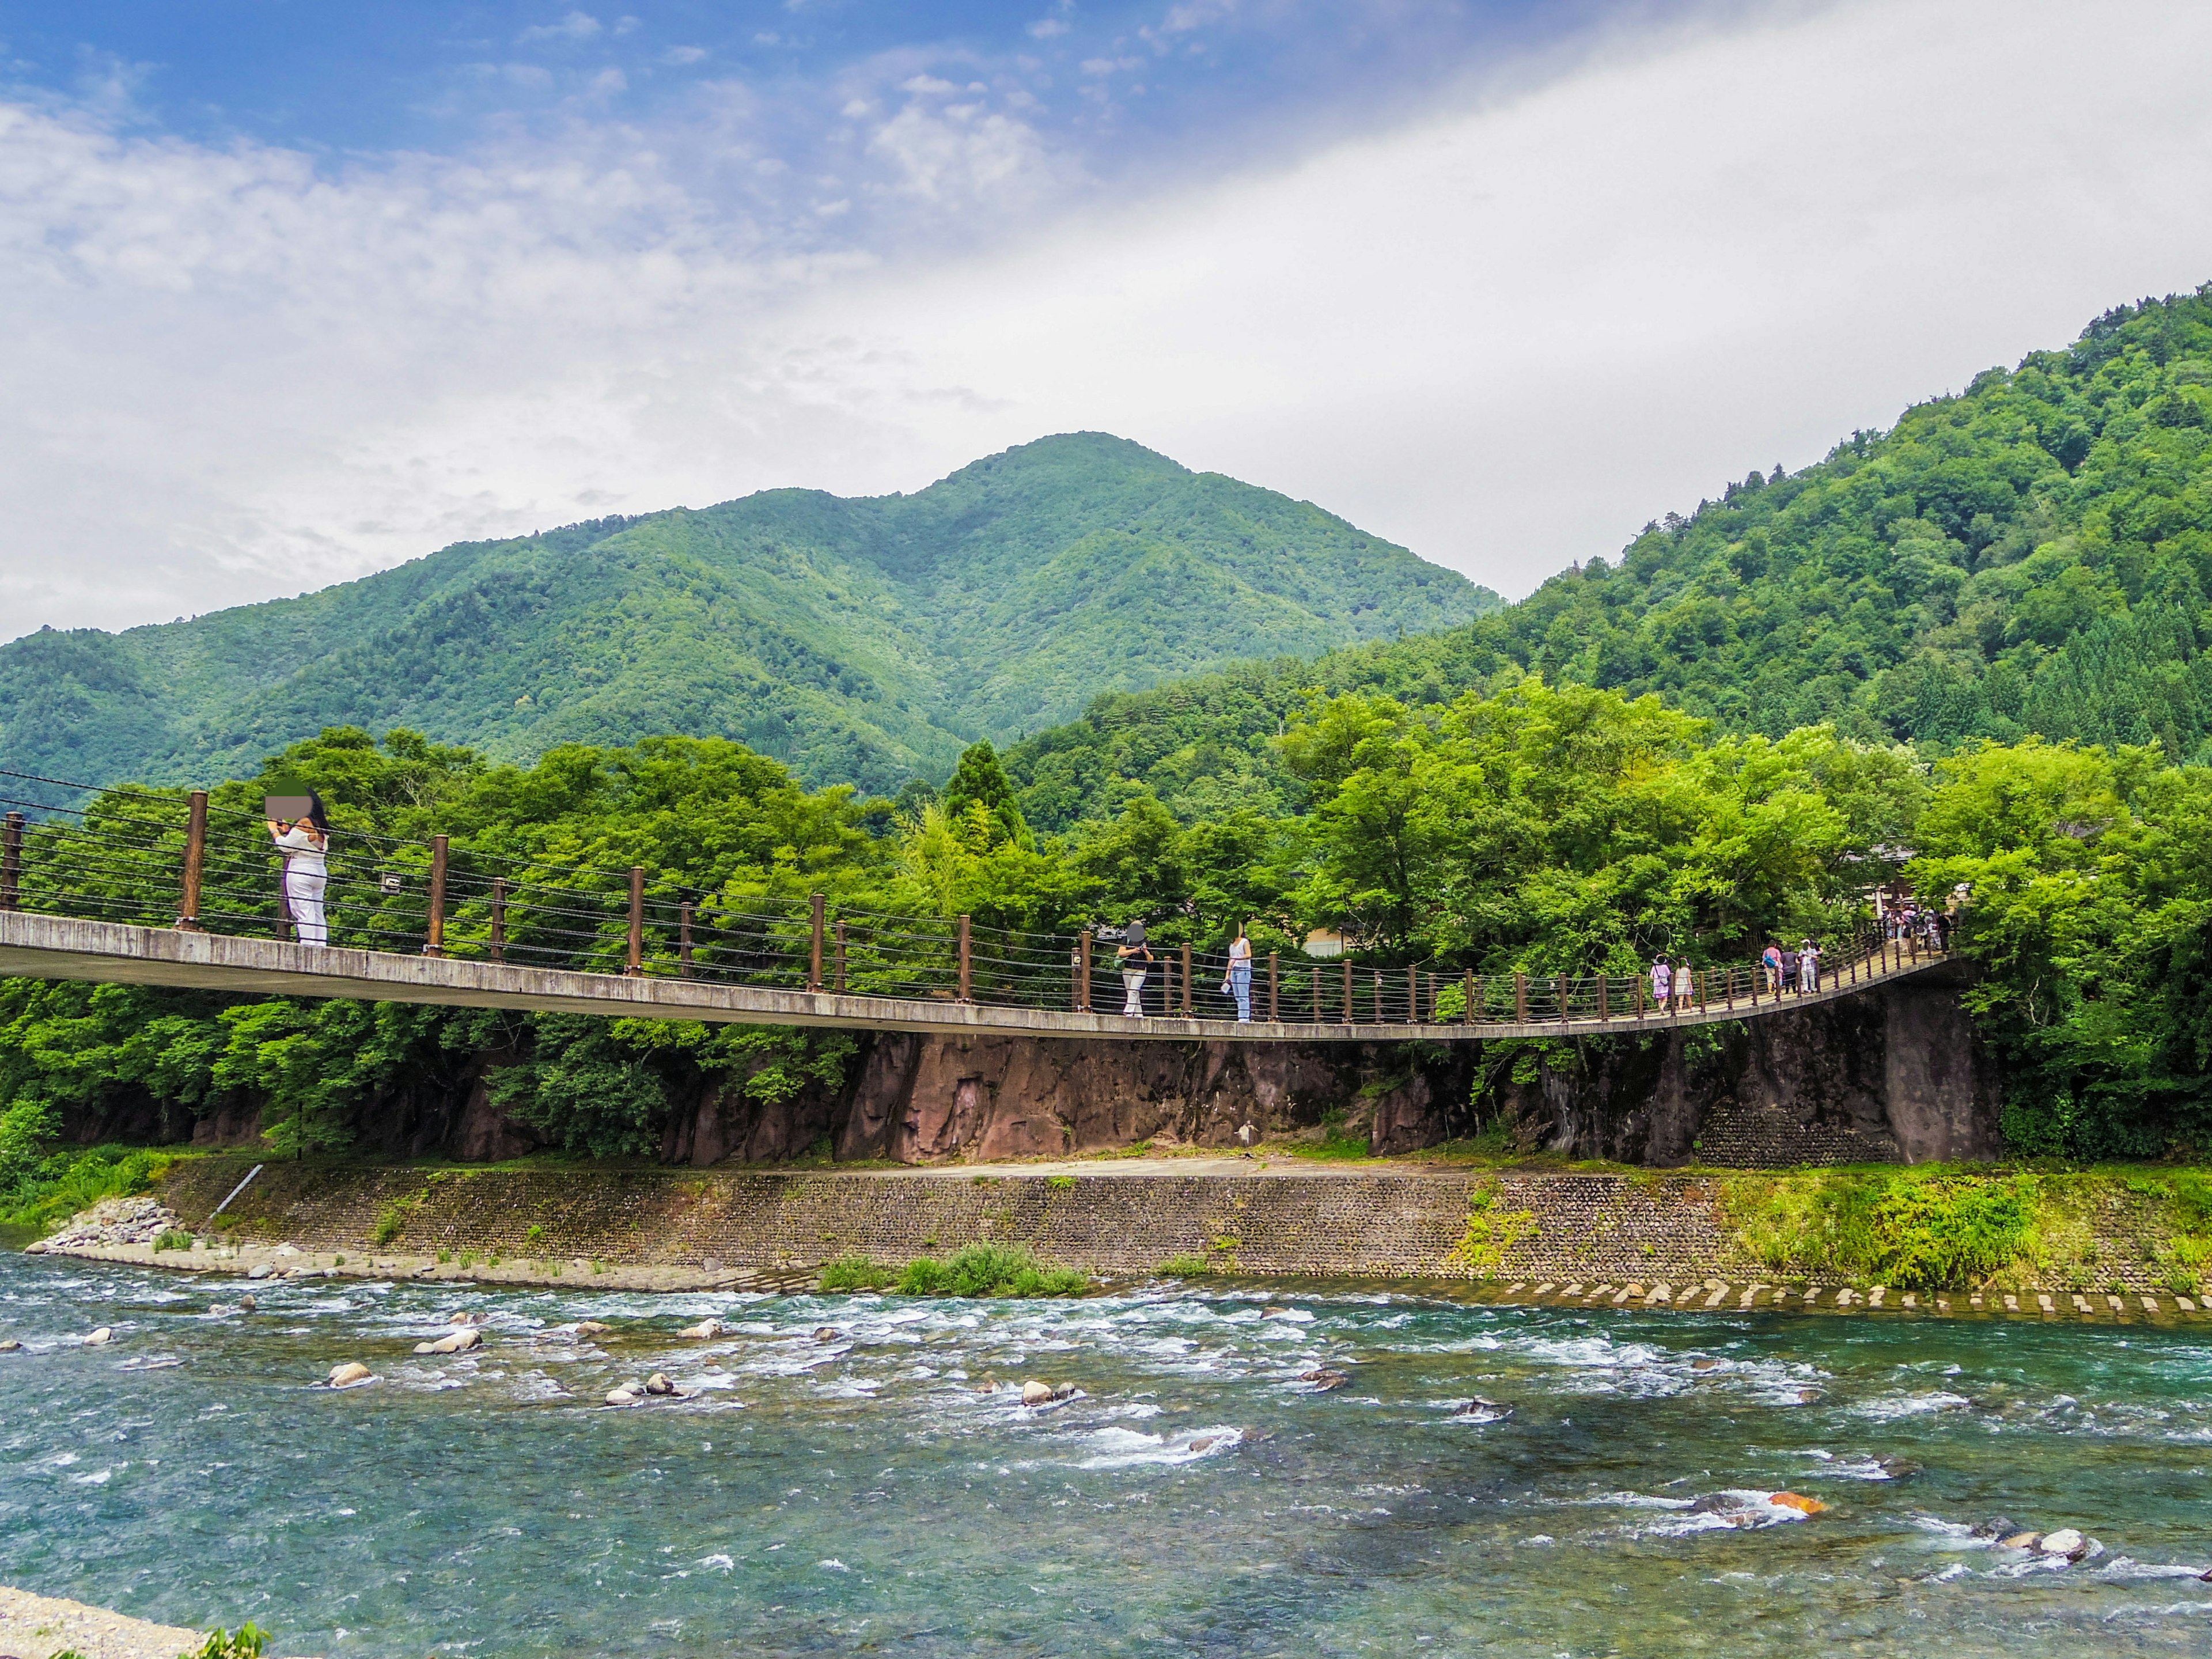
246 1303
659 1383
592 1328
705 1331
2067 1541
624 1395
1035 1393
2021 1540
94 1339
459 1342
1797 1501
827 1334
1323 1378
352 1371
9 1346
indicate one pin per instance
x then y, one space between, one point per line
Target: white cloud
1045 28
1505 332
680 56
577 25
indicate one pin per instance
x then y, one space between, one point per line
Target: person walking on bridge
1240 975
1133 957
1662 982
1789 969
307 871
1808 967
1770 961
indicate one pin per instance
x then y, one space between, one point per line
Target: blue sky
1123 93
299 291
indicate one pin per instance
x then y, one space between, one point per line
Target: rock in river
459 1342
2066 1542
659 1383
1479 1410
705 1331
96 1338
624 1395
352 1371
1323 1378
1035 1393
592 1328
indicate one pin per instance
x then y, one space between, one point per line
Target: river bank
2092 1245
41 1627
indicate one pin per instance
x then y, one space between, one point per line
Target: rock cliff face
1893 1076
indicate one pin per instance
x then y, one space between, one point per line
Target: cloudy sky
295 292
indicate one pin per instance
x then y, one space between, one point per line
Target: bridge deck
58 947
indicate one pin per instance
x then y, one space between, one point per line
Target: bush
1185 1267
65 1182
250 1641
856 1273
989 1270
173 1239
1917 1230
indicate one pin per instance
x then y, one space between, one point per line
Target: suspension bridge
143 888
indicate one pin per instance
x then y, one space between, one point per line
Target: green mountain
861 641
2034 555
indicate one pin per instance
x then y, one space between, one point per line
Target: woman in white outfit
307 871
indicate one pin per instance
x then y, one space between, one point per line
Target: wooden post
685 912
188 910
1728 990
1412 996
1317 996
1350 1014
636 968
1520 999
840 958
435 944
967 963
1185 981
1638 983
499 918
1702 988
814 904
1082 972
1564 994
1604 1000
1274 1002
1375 990
1467 1018
11 862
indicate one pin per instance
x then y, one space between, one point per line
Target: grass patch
172 1239
1918 1229
989 1270
856 1272
62 1183
1491 1232
1060 1184
1185 1267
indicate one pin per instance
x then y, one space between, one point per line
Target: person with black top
1133 957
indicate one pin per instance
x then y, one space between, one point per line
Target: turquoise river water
858 1493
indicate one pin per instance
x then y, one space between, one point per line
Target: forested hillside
860 641
2034 555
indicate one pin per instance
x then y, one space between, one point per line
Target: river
858 1493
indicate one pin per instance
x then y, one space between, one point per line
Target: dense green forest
2034 555
858 641
1544 829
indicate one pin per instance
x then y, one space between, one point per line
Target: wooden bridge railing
169 859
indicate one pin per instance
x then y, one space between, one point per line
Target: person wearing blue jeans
1240 976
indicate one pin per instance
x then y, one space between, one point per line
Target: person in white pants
306 870
1133 957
